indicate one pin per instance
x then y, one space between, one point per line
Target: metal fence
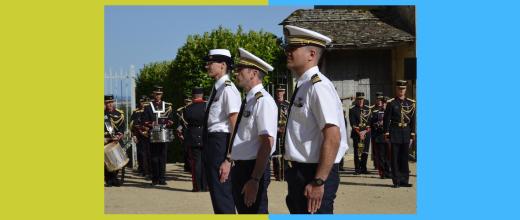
121 84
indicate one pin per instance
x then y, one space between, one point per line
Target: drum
162 135
115 156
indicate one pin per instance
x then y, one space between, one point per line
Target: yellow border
187 2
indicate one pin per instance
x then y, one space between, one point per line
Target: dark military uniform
279 164
380 145
143 142
182 127
158 151
359 118
194 116
115 119
399 125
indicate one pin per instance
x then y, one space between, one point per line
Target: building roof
352 28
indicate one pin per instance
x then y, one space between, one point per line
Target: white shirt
315 105
260 117
226 101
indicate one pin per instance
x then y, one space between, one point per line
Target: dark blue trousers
298 175
240 174
214 154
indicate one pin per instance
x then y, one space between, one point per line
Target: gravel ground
363 194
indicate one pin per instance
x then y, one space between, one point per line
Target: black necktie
242 107
289 111
206 115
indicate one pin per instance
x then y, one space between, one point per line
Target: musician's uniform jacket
150 116
399 120
359 118
315 103
193 114
116 119
136 121
376 124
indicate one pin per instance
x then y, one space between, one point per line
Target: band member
115 127
380 145
220 118
193 115
182 129
316 137
158 113
140 136
399 127
278 161
359 117
342 161
253 140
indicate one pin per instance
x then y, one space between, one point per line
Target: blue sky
136 35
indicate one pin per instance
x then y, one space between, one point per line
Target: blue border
468 72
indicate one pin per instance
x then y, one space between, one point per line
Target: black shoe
154 182
406 185
365 172
116 183
162 182
108 185
395 186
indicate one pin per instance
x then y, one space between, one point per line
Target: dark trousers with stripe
158 152
240 174
400 169
382 156
110 177
143 155
298 175
214 154
197 169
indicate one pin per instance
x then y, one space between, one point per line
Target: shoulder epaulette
259 95
411 100
181 108
228 83
371 106
390 100
120 111
315 79
352 106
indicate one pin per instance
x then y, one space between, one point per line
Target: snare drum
115 156
162 135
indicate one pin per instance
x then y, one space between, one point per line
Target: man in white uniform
220 117
316 137
254 137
